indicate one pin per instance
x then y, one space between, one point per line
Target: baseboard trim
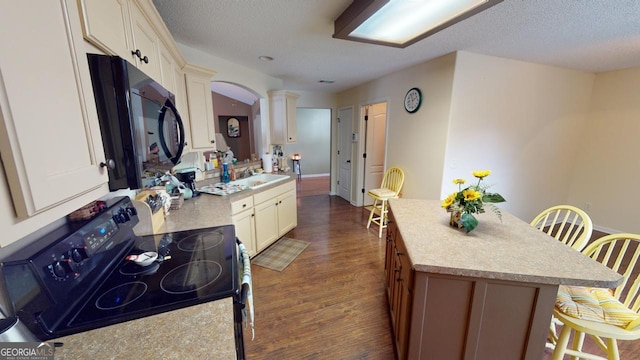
314 175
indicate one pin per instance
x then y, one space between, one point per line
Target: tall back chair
390 188
565 223
572 227
619 308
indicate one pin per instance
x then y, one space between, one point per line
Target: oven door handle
242 299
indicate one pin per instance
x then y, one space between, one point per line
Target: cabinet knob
212 141
137 53
145 60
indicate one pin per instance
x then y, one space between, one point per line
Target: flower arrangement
471 200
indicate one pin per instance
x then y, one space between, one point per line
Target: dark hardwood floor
330 303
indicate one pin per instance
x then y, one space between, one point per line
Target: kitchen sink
252 182
260 180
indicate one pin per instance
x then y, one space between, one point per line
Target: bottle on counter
232 173
225 173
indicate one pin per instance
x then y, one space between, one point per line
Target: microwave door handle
161 118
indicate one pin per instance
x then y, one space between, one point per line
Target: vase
454 221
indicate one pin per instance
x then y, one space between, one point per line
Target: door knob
109 164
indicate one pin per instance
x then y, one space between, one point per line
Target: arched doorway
236 104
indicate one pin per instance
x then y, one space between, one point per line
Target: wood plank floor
330 303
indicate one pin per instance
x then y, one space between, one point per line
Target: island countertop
510 249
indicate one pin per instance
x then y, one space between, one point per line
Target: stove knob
132 211
119 218
78 254
61 268
125 215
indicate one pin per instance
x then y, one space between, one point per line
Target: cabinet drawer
274 192
242 204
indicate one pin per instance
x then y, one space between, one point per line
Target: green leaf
493 198
468 221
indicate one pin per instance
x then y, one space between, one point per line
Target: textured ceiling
590 35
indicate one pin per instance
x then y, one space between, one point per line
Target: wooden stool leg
561 345
383 217
373 210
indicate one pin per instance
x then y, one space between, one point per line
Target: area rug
279 255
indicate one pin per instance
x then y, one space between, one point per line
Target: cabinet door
181 105
146 41
266 218
167 73
200 108
389 257
245 229
292 120
283 116
278 120
287 212
106 24
50 138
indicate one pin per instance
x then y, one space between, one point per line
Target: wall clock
412 100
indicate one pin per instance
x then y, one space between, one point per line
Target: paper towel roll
267 164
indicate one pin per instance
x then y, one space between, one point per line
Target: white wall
415 142
608 168
524 122
314 141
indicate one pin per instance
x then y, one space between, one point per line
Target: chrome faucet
247 172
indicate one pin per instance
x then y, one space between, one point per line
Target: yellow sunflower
449 200
481 174
471 195
459 181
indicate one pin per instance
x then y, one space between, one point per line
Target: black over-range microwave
142 132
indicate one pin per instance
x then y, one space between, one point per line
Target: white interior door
376 125
345 141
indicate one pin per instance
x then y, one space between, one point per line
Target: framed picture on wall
233 128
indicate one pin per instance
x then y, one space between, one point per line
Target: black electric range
81 276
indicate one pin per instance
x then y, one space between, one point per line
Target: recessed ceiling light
265 58
326 81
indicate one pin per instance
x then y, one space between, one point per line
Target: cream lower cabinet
242 216
50 138
275 214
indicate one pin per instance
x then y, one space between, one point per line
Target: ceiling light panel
401 23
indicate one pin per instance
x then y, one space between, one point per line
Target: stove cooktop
193 267
80 278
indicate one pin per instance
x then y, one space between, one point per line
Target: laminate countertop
203 331
510 249
207 210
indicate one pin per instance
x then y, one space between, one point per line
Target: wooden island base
488 294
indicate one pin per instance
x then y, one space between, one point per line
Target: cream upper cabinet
200 104
167 72
107 25
50 137
124 28
146 47
283 117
